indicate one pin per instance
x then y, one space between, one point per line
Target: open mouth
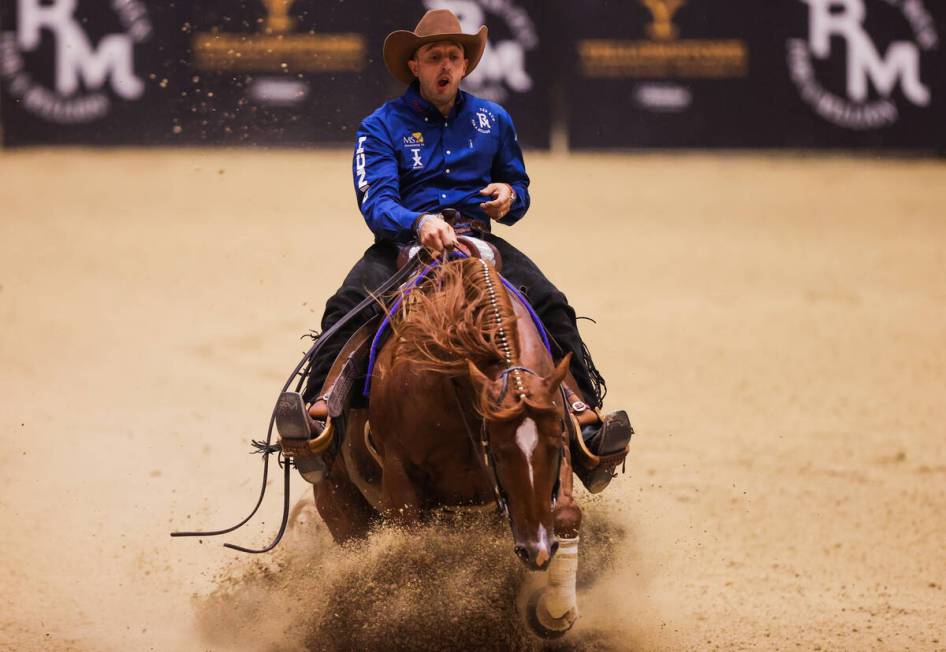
443 82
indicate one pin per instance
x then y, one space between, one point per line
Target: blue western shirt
410 160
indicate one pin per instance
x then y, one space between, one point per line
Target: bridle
483 452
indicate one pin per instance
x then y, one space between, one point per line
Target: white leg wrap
560 597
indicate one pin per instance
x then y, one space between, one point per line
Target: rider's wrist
423 219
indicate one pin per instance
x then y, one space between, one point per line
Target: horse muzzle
537 555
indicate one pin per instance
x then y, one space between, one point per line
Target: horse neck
531 349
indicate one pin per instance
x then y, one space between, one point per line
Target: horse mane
449 320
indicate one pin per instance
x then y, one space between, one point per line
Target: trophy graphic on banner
662 29
278 20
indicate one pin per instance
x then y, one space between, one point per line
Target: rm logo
75 57
864 63
866 68
78 65
483 121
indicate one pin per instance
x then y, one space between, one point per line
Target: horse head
524 443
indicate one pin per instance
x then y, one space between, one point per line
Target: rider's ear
556 377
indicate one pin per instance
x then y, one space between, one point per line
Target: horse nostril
554 548
522 553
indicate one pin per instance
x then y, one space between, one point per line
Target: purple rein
375 343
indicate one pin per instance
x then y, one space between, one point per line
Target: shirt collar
419 105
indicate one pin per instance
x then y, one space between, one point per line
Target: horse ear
558 375
477 377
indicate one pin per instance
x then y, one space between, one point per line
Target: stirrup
292 422
596 468
302 439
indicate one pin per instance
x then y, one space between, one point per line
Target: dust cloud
453 584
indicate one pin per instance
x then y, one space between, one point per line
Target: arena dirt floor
776 327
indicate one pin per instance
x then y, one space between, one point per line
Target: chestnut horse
465 409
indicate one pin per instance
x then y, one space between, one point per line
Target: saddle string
304 364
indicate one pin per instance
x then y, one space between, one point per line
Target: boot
599 448
302 438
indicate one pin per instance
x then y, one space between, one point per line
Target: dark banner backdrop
659 73
742 73
628 73
98 74
279 72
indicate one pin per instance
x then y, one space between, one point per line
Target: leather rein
267 448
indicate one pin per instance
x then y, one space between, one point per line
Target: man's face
439 67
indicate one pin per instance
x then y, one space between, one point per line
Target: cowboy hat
436 25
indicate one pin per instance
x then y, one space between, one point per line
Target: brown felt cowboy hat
436 25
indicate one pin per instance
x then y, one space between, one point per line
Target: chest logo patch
418 163
483 121
416 139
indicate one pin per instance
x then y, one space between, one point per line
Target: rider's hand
502 195
436 235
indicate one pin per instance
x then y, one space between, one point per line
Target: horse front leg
341 506
399 494
553 609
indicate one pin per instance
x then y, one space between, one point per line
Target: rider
437 148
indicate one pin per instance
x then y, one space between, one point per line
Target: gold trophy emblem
278 20
663 29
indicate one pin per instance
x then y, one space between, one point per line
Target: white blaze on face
527 438
543 554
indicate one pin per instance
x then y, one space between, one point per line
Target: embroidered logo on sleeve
361 172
